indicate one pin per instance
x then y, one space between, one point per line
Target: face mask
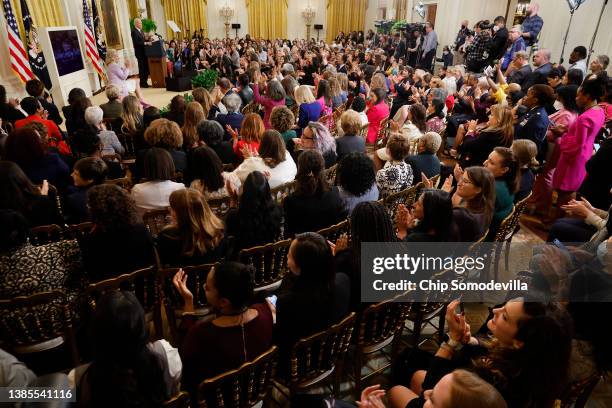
463 27
558 105
495 28
445 53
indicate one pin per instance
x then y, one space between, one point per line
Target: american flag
90 41
19 58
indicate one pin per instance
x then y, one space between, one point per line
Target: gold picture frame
110 20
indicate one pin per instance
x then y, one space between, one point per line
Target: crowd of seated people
316 110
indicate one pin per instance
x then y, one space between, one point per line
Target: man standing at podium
138 39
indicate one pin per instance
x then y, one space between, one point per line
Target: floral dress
393 177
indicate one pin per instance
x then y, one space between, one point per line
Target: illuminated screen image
66 51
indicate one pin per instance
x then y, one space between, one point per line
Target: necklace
241 314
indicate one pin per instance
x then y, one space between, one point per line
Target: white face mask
558 105
495 28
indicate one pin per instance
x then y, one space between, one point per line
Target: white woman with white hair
117 74
108 138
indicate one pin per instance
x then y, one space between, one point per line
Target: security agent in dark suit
138 39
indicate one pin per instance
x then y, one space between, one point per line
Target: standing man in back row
532 25
429 48
139 41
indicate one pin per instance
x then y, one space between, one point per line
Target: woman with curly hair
283 121
167 135
196 234
257 219
119 242
357 180
176 113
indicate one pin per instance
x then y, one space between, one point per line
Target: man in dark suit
520 75
541 60
499 42
138 39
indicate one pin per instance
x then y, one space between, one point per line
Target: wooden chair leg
357 372
338 376
416 332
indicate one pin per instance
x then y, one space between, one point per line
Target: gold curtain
267 18
401 9
344 17
45 13
189 16
133 8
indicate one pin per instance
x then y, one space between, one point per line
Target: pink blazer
267 103
576 148
375 115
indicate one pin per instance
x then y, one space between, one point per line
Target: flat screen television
66 51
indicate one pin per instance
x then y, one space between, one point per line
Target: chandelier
226 12
309 14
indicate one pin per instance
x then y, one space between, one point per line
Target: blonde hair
469 390
164 133
505 122
525 151
303 94
379 81
194 114
202 96
110 55
334 86
343 80
350 122
131 113
200 228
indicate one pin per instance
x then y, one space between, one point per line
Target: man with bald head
542 65
138 39
532 25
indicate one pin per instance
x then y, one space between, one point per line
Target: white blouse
284 172
154 195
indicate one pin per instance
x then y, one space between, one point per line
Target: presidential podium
156 56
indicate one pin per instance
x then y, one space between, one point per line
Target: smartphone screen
273 299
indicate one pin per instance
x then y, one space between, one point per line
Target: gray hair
210 131
94 115
232 102
275 90
323 140
546 53
438 93
518 28
112 92
431 141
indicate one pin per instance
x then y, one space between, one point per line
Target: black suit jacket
520 76
498 43
538 76
139 43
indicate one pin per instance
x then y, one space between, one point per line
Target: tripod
603 8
